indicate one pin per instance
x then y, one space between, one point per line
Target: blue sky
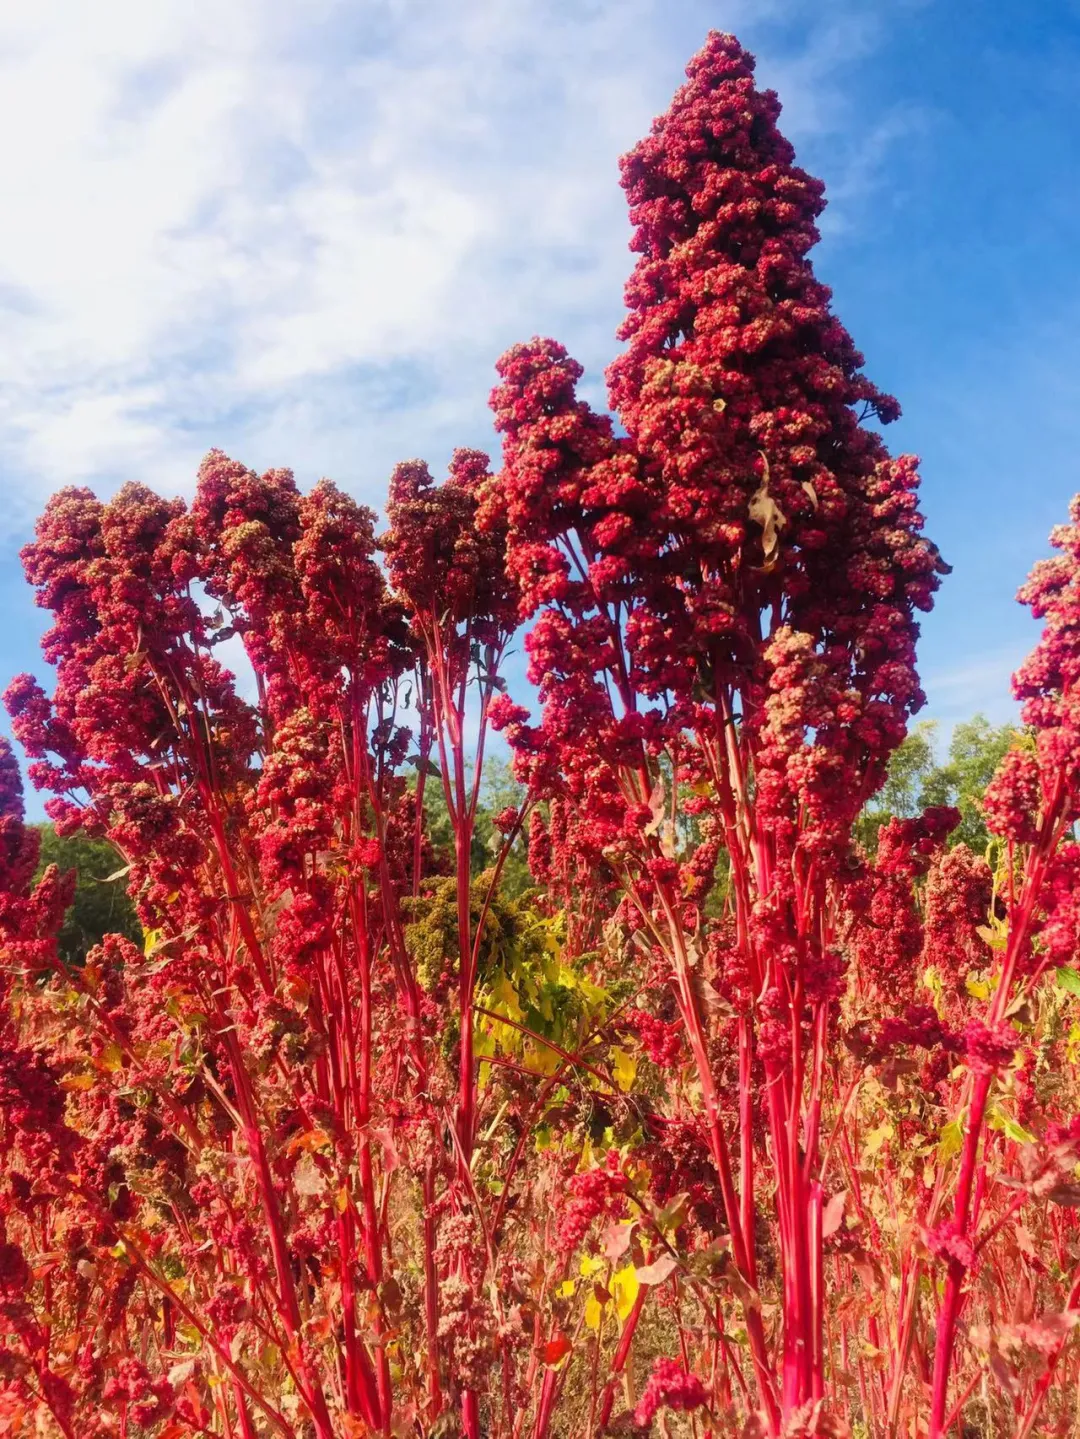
304 231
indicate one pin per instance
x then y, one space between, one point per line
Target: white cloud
981 684
305 230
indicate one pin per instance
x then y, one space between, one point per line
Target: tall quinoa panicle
726 628
749 547
743 395
1031 804
1048 682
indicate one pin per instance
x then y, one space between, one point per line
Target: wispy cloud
981 684
305 232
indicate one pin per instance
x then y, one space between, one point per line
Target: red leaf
833 1216
557 1348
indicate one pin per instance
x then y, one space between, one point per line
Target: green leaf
952 1138
1068 979
1016 1132
1010 1128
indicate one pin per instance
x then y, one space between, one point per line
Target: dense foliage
915 780
100 904
715 1121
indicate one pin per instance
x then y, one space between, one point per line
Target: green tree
499 790
101 905
975 752
916 780
911 765
909 770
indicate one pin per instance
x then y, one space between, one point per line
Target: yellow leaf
996 937
112 1058
505 999
590 1265
543 1058
566 1289
877 1137
952 1138
77 1081
151 940
593 994
624 1288
977 988
593 1312
624 1067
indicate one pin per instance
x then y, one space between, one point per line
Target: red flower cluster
1047 681
592 1195
661 1041
956 904
1011 801
887 928
669 1386
947 1242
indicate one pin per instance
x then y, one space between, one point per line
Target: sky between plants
304 231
